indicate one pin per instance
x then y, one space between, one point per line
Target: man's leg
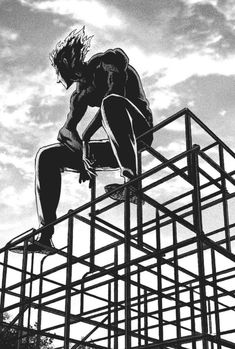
49 163
123 122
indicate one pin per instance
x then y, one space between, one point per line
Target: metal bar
217 167
30 295
192 316
139 305
197 219
139 204
159 278
3 288
39 318
212 134
189 143
146 317
127 257
171 342
164 160
92 227
210 179
109 316
68 283
209 319
116 300
22 293
164 123
215 296
176 276
225 202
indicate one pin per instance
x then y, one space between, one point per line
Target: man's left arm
114 64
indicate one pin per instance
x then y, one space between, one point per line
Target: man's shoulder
112 57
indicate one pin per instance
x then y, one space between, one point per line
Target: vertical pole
189 144
139 306
92 228
116 300
210 320
30 296
176 275
22 294
39 319
109 315
146 317
197 220
3 288
68 284
216 304
159 277
127 257
139 204
225 202
192 315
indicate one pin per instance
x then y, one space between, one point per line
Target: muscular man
106 81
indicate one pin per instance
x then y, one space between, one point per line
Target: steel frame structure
153 275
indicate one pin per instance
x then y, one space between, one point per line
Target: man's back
117 62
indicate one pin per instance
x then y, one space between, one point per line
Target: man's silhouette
106 81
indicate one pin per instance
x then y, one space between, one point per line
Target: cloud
21 92
161 74
193 2
8 42
15 199
91 12
7 34
163 98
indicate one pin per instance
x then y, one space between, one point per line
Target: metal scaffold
155 274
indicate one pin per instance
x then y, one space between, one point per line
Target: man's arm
68 134
93 126
114 63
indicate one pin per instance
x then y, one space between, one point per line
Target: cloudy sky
184 51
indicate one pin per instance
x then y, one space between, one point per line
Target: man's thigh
59 155
139 122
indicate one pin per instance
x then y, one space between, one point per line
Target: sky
184 51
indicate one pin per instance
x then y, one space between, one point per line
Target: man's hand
70 138
88 166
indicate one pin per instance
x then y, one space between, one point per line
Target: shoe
119 195
43 246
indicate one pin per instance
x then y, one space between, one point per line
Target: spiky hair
74 48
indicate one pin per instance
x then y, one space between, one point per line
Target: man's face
67 76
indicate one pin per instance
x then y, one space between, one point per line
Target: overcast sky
184 50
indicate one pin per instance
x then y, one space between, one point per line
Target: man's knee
44 156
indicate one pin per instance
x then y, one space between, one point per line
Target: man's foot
119 195
43 246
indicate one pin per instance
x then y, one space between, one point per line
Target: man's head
68 57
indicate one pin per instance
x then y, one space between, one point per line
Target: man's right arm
78 107
68 134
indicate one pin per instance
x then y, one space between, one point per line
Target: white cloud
178 70
170 71
163 98
173 148
227 7
17 200
18 94
91 12
223 112
7 34
193 2
23 163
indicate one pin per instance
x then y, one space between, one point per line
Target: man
106 81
